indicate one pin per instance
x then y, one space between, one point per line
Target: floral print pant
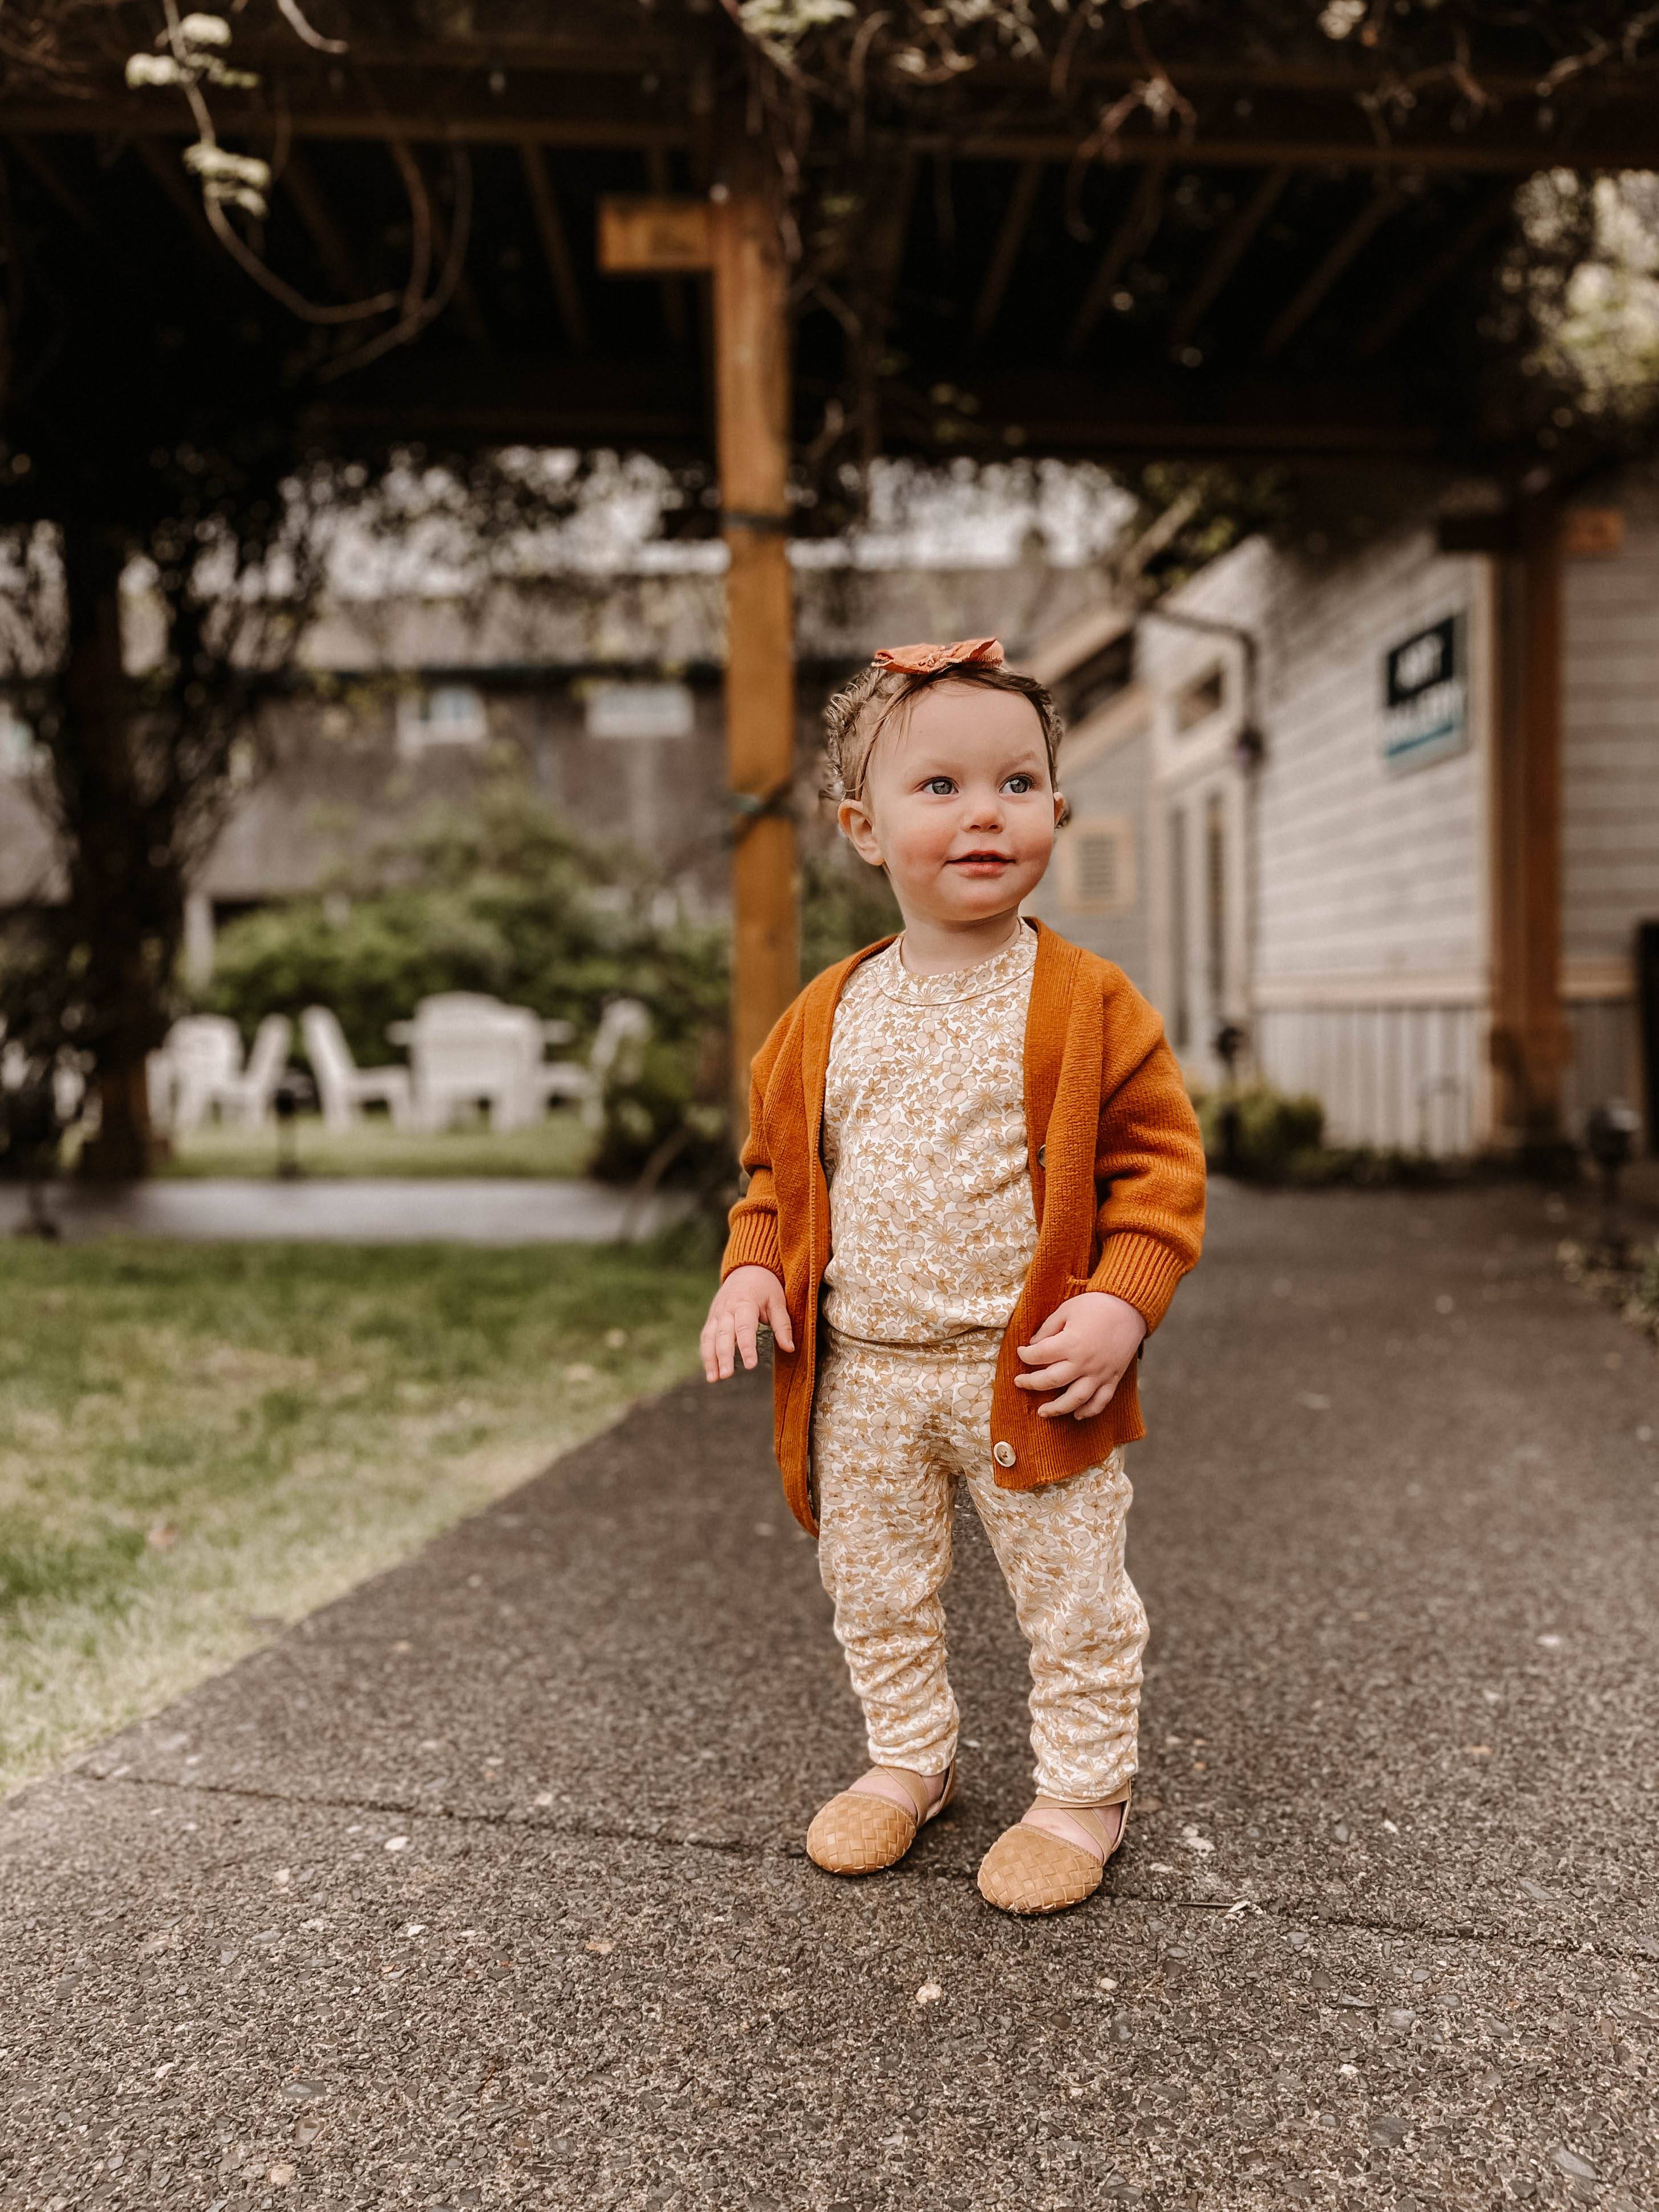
894 1428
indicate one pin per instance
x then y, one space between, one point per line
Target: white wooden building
1303 809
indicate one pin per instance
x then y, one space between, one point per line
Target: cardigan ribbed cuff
752 1242
1142 1270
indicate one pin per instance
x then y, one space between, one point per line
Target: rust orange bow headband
928 659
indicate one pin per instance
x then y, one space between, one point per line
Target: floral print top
931 1212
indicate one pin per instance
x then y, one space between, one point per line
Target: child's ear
860 832
1062 809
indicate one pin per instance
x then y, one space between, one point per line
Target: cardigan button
1003 1454
1043 1156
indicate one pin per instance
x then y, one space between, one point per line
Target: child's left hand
1082 1350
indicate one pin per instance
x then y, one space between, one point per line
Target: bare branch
292 16
359 311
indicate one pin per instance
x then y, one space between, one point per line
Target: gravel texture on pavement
485 1886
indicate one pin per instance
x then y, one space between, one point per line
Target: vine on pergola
45 44
838 84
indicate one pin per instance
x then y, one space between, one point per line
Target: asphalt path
485 1886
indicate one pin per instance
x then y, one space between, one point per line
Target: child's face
958 805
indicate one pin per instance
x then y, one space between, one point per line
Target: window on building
1099 678
1180 1012
639 710
1215 901
1097 865
441 714
1205 696
17 747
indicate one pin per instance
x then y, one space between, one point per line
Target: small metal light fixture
1610 1132
1229 1041
292 1093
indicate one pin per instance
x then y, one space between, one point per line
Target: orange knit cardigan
1117 1183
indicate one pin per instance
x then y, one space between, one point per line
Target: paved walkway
484 1885
369 1210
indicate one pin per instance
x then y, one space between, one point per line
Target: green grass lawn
199 1443
559 1145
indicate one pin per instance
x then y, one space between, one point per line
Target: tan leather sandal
873 1824
1054 1858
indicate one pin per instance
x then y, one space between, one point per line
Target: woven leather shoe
873 1824
1031 1869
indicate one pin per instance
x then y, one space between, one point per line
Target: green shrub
502 897
844 904
1272 1131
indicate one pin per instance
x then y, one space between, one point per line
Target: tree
172 512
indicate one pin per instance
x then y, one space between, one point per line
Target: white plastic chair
246 1098
617 1050
623 1028
199 1052
342 1086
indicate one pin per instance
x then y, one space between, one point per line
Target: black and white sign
1424 696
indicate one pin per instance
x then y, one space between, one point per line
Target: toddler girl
974 1182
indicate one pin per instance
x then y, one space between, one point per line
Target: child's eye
1021 784
940 785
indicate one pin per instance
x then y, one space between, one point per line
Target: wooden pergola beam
555 246
891 229
1420 286
1229 251
140 120
1635 79
40 165
1627 143
1011 236
1343 250
658 49
581 420
1134 232
1449 156
298 181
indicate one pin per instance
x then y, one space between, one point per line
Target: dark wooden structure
1293 271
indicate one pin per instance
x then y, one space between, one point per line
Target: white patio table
466 1048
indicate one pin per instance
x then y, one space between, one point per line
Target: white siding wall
1410 1077
1364 872
1367 944
1104 780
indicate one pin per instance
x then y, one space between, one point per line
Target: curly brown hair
858 714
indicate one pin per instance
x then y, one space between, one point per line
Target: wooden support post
1530 1044
752 353
735 233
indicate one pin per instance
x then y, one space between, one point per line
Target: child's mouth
983 864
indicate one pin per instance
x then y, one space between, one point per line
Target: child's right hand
748 1297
